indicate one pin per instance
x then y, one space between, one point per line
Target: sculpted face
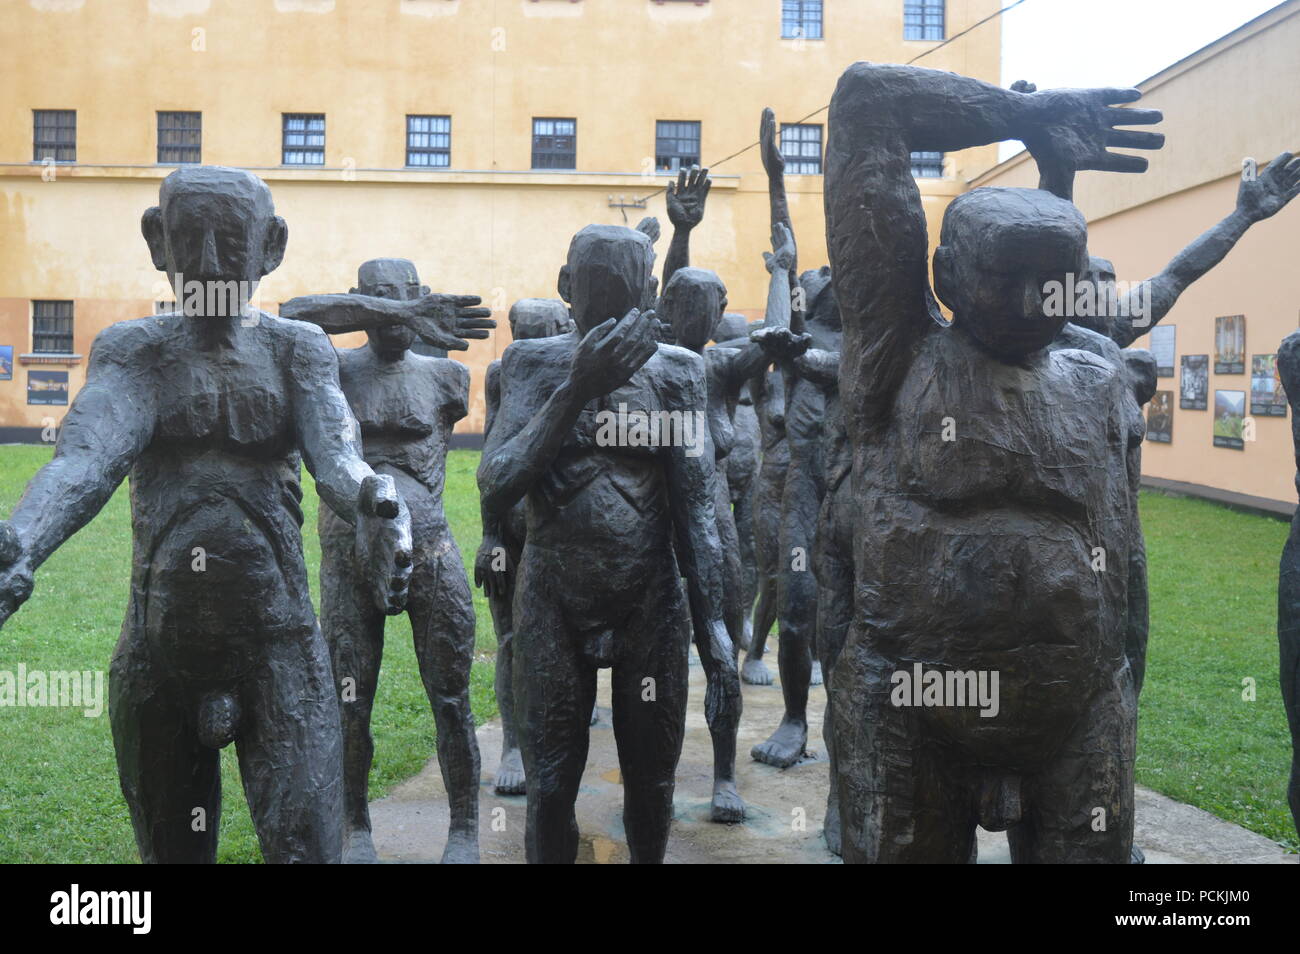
538 318
606 274
1101 275
692 304
395 279
214 225
999 251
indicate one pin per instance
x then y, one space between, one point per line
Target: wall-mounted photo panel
1160 418
1230 345
1162 349
1267 396
1229 415
1194 384
47 387
6 362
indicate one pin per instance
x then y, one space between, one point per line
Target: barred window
923 19
52 327
304 139
801 146
54 135
927 165
677 145
428 141
555 143
801 18
180 138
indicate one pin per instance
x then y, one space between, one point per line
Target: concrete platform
785 807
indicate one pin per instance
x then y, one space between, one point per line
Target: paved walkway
785 807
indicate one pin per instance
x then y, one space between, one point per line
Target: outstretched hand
686 197
15 572
1074 129
1268 192
781 344
447 321
609 354
383 542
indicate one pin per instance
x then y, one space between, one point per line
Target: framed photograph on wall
47 387
1194 384
1160 417
6 362
1230 345
1229 413
1267 396
1162 348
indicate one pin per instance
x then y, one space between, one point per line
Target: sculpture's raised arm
1258 198
686 200
875 225
442 321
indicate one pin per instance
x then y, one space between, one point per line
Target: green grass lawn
59 797
1213 609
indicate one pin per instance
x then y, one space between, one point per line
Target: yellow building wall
489 225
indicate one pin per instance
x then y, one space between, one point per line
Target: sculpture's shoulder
451 375
677 361
1086 368
131 340
1077 337
528 356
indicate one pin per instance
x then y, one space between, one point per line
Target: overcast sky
1058 43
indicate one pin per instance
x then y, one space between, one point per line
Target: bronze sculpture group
910 497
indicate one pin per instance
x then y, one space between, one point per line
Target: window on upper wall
801 146
927 165
52 327
555 144
428 141
54 135
923 19
677 144
180 138
304 139
801 18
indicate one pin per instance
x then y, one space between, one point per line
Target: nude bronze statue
614 524
989 472
1288 590
406 405
208 410
767 391
503 543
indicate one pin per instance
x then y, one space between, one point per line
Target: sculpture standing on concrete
989 473
498 555
614 523
1288 590
767 392
406 405
208 411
